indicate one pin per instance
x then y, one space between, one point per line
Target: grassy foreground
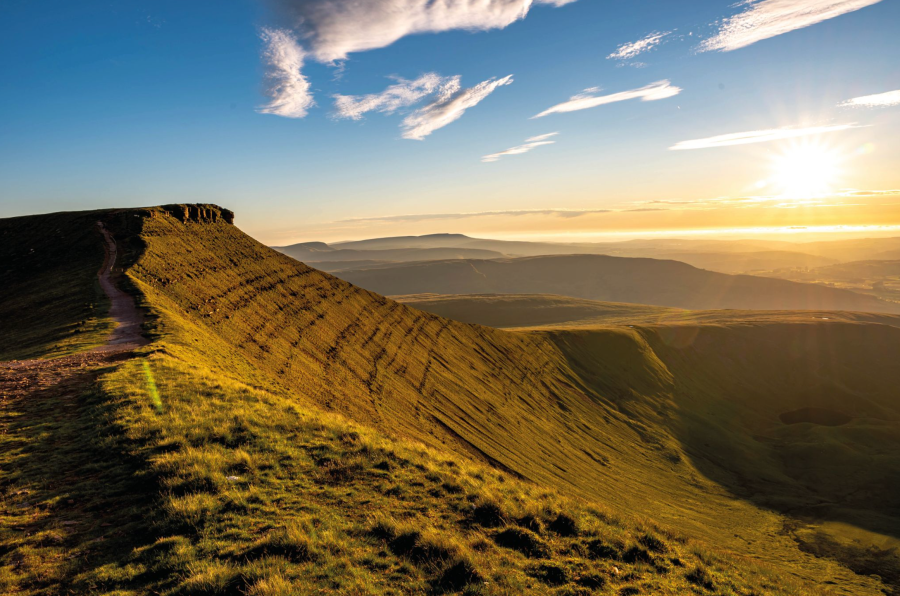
218 488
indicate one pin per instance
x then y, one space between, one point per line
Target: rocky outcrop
198 213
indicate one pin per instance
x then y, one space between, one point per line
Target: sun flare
806 171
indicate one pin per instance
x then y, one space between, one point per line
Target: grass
248 502
294 433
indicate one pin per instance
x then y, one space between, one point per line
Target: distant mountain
725 256
426 241
321 252
614 279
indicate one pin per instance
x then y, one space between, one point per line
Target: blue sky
132 103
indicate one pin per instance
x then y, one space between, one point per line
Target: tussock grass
282 527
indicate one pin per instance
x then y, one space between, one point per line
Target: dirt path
69 500
20 377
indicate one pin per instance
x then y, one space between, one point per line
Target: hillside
270 441
611 279
547 311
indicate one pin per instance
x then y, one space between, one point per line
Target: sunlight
806 171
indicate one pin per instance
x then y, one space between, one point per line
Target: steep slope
260 492
611 279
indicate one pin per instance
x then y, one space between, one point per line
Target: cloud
449 106
527 146
565 213
403 94
852 192
335 28
762 19
879 100
628 51
287 88
759 136
587 99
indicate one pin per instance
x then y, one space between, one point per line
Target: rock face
199 213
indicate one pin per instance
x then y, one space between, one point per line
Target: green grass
242 491
296 433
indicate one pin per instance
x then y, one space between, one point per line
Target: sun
806 171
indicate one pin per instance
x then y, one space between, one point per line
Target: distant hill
546 311
735 262
611 279
321 252
860 249
724 256
879 278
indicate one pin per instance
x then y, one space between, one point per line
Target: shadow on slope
831 467
51 304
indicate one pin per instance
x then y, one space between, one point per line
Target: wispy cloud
400 95
335 28
852 192
451 103
759 136
628 51
589 99
288 90
565 213
525 147
762 19
879 100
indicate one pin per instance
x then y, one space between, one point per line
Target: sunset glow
806 171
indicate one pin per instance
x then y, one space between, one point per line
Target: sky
548 119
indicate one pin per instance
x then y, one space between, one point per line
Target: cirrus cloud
879 100
525 147
762 19
400 95
628 51
759 136
288 90
588 99
451 103
333 29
